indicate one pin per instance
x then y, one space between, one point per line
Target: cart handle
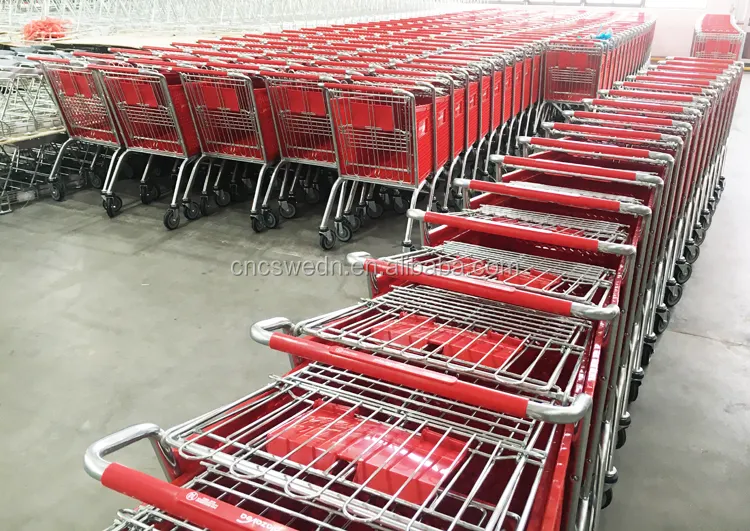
495 291
397 373
560 198
608 131
576 170
640 105
198 508
643 95
613 117
522 233
663 87
578 147
687 80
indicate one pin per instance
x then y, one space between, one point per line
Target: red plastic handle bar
137 51
567 168
290 76
362 88
470 286
512 231
664 87
612 117
636 94
110 56
568 199
609 131
673 79
399 373
401 82
116 69
726 62
48 59
589 147
201 71
195 507
639 106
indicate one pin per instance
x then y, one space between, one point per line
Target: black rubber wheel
312 196
344 230
699 235
622 438
691 252
287 209
57 190
374 209
711 206
192 210
705 220
171 218
400 205
635 387
222 198
327 240
95 180
355 223
204 205
672 295
269 219
661 321
683 272
646 353
257 225
112 205
607 498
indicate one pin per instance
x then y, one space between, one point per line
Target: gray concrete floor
106 323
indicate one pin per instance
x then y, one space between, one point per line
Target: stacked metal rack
376 112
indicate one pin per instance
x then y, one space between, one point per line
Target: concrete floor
109 323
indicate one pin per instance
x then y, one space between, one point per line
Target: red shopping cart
154 118
232 114
87 116
717 37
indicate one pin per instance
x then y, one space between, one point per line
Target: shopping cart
717 37
87 116
322 443
232 115
391 132
152 112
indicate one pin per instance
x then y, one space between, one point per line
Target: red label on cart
227 516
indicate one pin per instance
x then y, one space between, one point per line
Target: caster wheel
58 190
672 295
222 198
646 353
269 219
722 183
149 194
95 180
635 388
374 209
611 477
172 219
287 209
711 205
682 272
699 235
327 240
355 223
312 196
112 204
387 200
191 210
622 437
400 205
361 213
691 252
705 220
661 321
343 230
607 498
257 224
234 193
203 205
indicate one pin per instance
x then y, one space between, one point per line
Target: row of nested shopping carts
373 113
485 382
718 37
31 131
